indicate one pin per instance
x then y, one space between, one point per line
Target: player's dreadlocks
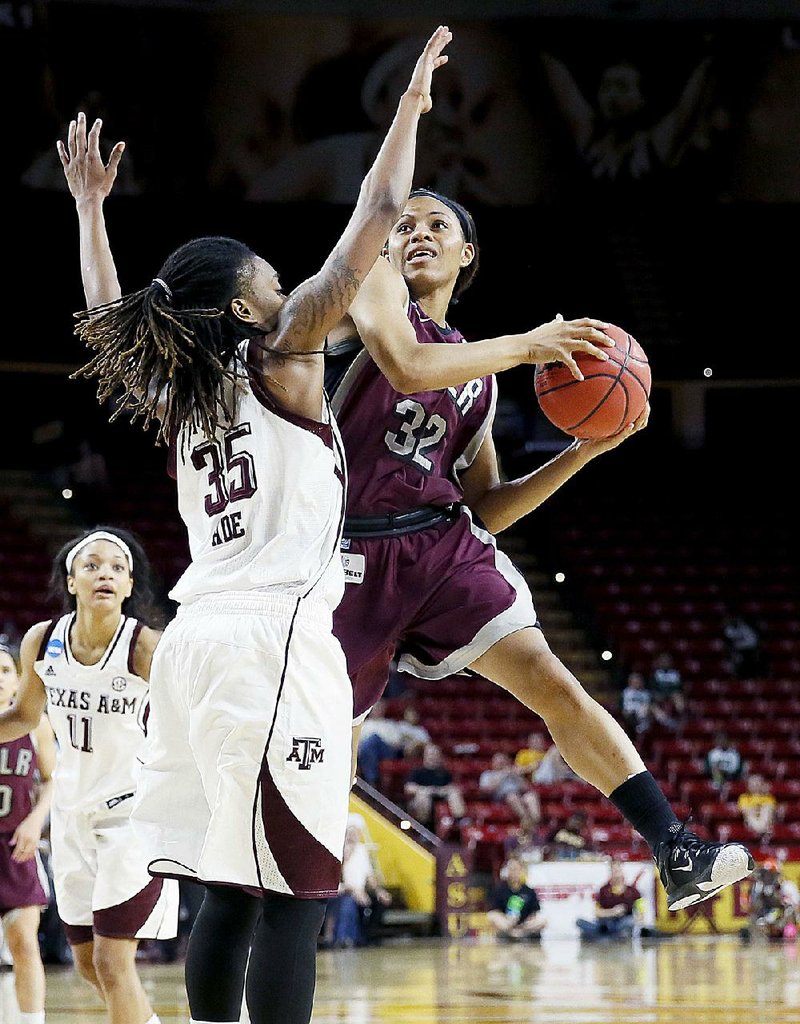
171 347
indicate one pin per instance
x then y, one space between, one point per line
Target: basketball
611 395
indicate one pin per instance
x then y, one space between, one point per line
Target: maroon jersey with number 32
406 451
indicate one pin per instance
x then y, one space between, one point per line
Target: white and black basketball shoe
693 870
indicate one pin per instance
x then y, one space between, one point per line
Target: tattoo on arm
342 281
313 309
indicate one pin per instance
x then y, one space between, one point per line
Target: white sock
193 1021
155 1019
37 1017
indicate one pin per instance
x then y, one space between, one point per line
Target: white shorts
246 774
101 881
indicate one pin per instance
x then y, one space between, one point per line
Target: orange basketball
612 394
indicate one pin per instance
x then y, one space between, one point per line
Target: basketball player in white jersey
247 773
89 670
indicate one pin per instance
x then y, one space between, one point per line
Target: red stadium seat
715 812
673 748
694 790
732 831
680 770
609 833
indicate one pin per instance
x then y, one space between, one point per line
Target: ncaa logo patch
55 648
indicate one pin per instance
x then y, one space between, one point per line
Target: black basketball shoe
692 870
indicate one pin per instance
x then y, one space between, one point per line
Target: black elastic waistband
396 523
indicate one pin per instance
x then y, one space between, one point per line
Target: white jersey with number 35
263 503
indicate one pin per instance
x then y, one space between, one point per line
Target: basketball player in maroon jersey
26 768
426 581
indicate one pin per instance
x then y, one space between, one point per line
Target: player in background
247 772
425 498
89 670
26 785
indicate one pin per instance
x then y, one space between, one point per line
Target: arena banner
566 891
565 888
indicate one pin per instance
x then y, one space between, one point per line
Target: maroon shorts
21 885
437 599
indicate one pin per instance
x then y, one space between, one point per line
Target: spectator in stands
505 783
359 891
415 736
526 846
774 900
383 738
744 646
570 840
758 806
553 768
530 757
617 908
636 706
515 913
10 636
91 484
665 684
430 784
724 763
397 683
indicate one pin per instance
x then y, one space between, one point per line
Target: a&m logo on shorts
306 750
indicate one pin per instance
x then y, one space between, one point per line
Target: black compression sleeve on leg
216 957
643 803
282 974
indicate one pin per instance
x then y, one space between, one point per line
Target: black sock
644 805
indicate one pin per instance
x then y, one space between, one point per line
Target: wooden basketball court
697 979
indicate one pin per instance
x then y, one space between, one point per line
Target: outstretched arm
673 132
501 503
573 105
90 181
320 302
379 313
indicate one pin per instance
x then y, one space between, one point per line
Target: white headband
99 535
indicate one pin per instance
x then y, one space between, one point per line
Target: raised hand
560 340
430 59
87 175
